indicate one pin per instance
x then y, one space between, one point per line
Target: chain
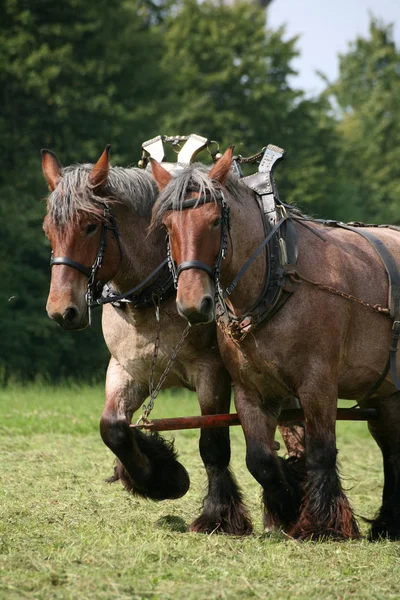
154 391
297 278
156 302
250 159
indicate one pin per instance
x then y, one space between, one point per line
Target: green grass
64 533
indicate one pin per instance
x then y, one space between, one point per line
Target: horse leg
223 507
293 432
146 464
281 491
325 510
386 432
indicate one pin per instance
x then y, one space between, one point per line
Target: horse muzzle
72 319
204 312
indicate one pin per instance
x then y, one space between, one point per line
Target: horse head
198 236
83 235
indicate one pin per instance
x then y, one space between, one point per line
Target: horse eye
90 229
217 222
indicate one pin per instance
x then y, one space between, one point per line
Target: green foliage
77 75
74 76
368 97
230 74
230 80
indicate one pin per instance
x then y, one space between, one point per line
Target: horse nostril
70 314
206 305
56 316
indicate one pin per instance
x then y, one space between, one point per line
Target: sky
325 30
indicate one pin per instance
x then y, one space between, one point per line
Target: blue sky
326 28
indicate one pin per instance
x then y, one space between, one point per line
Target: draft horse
99 209
317 346
95 206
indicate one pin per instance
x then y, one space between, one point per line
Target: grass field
64 533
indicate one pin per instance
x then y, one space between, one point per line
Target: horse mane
195 177
132 187
192 178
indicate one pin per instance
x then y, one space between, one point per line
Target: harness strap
125 296
393 274
213 272
64 260
252 258
390 267
393 352
194 202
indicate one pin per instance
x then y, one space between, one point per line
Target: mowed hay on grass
67 534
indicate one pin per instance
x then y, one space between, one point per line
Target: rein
137 296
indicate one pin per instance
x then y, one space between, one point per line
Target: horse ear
161 175
222 167
99 173
51 168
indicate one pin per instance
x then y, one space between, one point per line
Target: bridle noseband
213 272
64 260
94 288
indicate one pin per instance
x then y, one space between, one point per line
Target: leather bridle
94 288
213 272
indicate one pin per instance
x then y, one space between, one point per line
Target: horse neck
141 253
247 233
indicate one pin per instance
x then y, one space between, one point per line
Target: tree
367 94
73 76
230 81
79 74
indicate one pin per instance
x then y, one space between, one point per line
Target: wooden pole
210 421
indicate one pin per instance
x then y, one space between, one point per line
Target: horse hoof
383 531
165 478
324 533
207 524
171 485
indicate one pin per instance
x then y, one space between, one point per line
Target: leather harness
281 242
159 284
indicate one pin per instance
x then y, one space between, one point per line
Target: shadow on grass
176 524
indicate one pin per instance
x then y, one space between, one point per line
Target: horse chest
254 367
134 351
137 359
